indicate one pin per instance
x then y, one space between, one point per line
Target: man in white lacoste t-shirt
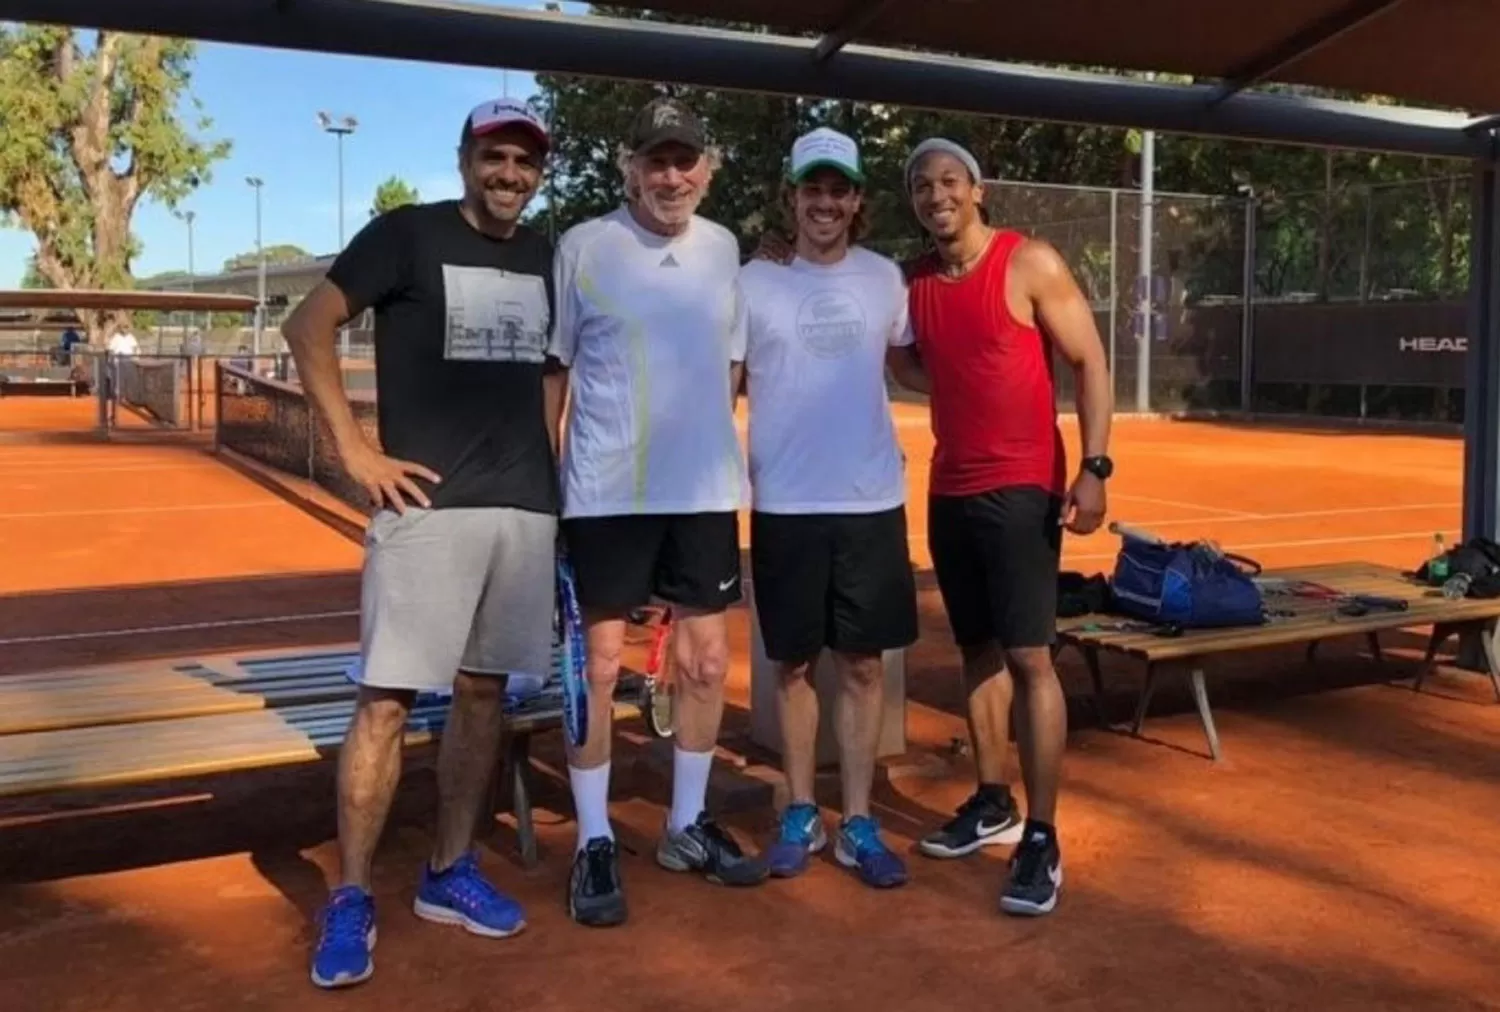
650 326
828 527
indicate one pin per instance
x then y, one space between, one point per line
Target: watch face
1100 467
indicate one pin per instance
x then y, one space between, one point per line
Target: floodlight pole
1147 244
260 282
340 127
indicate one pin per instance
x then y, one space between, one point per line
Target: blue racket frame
575 684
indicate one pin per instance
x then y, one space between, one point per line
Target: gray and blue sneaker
461 895
346 938
801 836
705 847
860 847
987 818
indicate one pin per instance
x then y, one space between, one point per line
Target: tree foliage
281 253
1328 223
92 127
393 193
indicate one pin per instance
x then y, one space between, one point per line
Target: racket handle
1139 534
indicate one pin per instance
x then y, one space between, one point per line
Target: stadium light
340 127
258 184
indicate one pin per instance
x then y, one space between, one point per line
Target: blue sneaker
802 835
860 847
463 896
347 936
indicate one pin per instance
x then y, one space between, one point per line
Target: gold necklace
962 268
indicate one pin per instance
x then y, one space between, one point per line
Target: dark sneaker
802 835
988 818
596 897
345 939
861 848
1035 876
705 848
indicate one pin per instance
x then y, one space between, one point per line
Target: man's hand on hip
386 478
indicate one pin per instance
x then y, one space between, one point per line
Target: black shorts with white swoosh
691 560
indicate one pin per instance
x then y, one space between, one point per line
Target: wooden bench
1310 622
112 727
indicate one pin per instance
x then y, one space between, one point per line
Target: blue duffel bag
1188 585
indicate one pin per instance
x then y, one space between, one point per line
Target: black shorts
837 580
997 555
686 559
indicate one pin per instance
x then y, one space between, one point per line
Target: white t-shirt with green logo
648 327
821 435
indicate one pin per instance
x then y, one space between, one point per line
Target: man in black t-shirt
458 573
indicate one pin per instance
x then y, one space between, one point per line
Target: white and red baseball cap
497 114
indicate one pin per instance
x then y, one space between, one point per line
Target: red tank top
994 408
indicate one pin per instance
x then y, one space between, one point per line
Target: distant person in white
828 542
122 341
650 325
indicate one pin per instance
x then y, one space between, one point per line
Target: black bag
1082 595
1478 559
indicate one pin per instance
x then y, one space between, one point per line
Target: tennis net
272 422
158 388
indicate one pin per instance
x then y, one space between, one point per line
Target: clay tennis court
1341 856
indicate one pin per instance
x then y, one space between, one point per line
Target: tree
92 128
282 253
393 193
33 277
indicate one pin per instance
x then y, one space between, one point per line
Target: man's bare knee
981 662
478 692
603 669
380 714
862 672
706 668
1030 665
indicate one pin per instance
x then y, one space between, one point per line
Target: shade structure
487 35
95 299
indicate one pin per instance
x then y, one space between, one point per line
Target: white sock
591 799
689 787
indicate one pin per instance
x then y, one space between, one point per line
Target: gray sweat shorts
452 590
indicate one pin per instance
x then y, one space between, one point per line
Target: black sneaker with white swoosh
1035 876
987 818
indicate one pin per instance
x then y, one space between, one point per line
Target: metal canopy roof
490 36
84 298
1438 52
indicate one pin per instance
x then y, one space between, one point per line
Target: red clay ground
1340 857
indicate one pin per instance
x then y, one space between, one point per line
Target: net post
1482 380
1247 312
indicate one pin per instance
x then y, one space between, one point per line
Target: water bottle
1457 586
1437 564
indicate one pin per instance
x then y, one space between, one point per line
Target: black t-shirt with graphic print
461 328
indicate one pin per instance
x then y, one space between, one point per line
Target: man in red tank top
988 308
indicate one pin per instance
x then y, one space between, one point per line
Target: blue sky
266 101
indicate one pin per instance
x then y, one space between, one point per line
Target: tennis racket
659 701
575 684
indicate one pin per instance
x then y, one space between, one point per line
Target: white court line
182 627
1309 543
1299 515
1185 506
259 504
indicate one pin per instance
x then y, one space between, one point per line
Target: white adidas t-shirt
821 435
649 326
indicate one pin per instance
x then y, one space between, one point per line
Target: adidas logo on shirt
668 261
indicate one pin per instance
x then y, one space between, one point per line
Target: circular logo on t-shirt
830 322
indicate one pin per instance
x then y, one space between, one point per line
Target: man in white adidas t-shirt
828 527
650 325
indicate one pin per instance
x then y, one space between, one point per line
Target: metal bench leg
1312 651
1373 639
1091 656
518 759
1200 696
1145 700
1492 654
1440 633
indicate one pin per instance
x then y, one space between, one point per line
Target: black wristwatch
1100 467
